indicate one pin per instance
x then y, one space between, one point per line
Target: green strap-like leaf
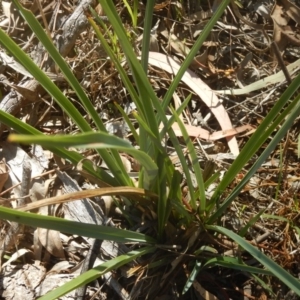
94 140
82 229
96 272
292 282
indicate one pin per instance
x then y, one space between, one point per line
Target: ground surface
247 45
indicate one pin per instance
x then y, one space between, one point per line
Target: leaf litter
230 96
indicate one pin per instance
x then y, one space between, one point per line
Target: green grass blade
265 286
146 34
275 269
141 80
44 80
162 196
243 231
113 159
145 91
61 63
166 176
147 129
235 264
130 12
184 165
192 277
81 229
165 162
94 140
211 179
175 194
173 119
274 217
96 272
143 138
114 163
196 168
194 51
293 110
282 219
120 69
71 156
262 133
180 211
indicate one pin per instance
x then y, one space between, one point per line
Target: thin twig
281 62
87 265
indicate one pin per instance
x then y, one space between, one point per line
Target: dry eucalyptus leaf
202 90
10 62
15 156
61 266
50 239
126 163
15 256
108 202
197 131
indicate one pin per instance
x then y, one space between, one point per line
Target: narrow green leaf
275 269
196 168
173 119
252 221
82 229
71 156
180 212
211 179
120 69
233 263
192 277
204 249
146 34
44 80
175 193
61 63
194 51
184 165
289 114
143 86
95 140
162 195
274 217
154 140
96 272
140 103
265 286
112 159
